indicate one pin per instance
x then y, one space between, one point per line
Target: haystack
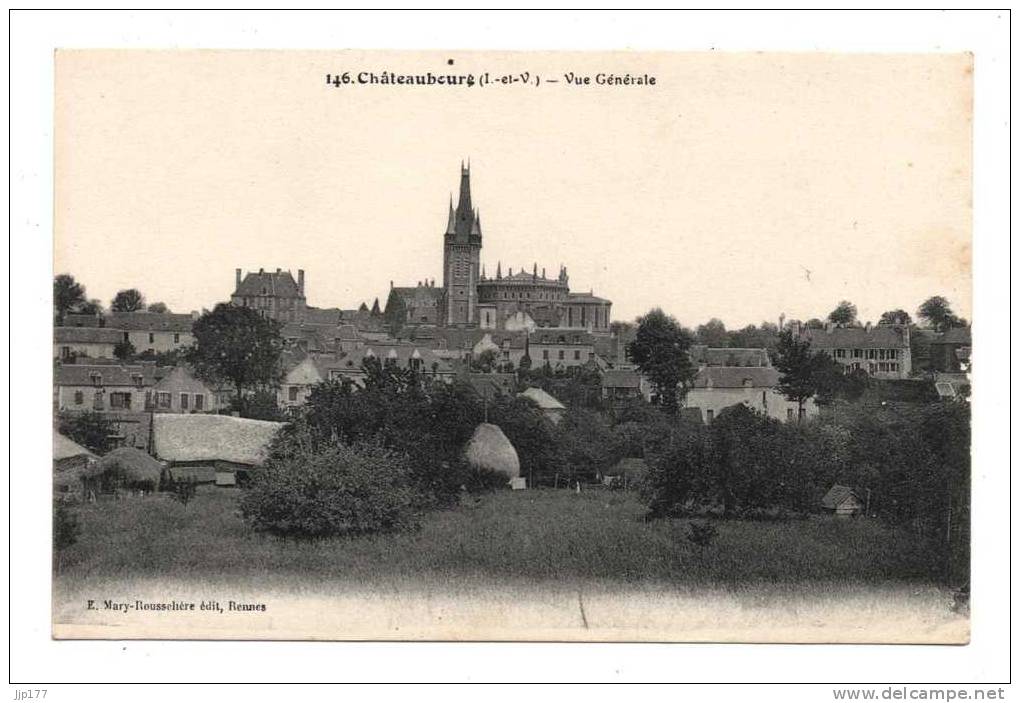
133 465
490 449
71 462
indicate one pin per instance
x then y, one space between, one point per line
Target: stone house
716 388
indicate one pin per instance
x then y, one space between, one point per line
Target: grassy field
540 535
508 559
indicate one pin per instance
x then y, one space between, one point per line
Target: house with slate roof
716 388
275 295
883 351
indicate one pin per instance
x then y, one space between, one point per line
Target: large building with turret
524 300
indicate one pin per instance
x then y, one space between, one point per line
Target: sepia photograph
526 346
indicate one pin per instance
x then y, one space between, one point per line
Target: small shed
73 466
550 407
490 449
843 502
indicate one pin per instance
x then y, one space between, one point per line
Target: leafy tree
68 295
236 345
845 314
124 350
713 333
395 314
305 490
484 362
814 324
937 312
895 317
584 439
89 429
129 300
678 471
797 367
660 350
90 307
158 307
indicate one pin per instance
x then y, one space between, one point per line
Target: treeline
909 463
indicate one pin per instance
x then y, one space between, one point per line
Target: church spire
465 215
476 228
451 224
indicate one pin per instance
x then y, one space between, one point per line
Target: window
857 354
152 338
138 379
710 415
97 378
177 337
561 355
97 400
65 352
545 353
577 355
163 400
120 400
184 401
789 414
79 397
199 401
127 337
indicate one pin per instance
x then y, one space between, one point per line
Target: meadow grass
540 536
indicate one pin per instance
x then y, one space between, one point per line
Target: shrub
701 534
65 527
332 489
184 490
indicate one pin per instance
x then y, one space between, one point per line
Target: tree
798 369
395 314
90 429
68 294
484 362
236 345
713 333
158 307
937 312
660 350
895 317
130 300
814 324
90 307
844 315
124 350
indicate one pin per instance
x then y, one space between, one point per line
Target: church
521 301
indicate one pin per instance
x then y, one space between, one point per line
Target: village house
623 384
883 351
716 388
178 391
560 348
153 332
103 387
91 342
298 382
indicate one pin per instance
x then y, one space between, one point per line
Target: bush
333 489
183 491
65 527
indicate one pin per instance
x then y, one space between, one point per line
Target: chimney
262 272
828 327
278 269
237 278
867 326
301 281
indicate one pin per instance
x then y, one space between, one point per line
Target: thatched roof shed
184 438
133 465
490 449
71 461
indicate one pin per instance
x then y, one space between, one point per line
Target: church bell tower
462 247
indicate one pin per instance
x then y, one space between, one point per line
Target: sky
739 186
